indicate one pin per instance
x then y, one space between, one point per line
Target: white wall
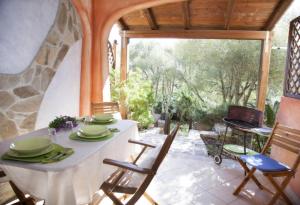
24 26
62 95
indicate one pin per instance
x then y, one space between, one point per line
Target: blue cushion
264 163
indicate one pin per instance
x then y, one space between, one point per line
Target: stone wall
21 94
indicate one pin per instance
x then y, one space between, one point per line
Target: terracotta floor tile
223 192
205 198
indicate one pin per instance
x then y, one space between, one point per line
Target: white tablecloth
75 179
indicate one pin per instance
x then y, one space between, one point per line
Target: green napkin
57 154
74 136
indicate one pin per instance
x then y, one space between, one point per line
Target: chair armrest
141 143
128 166
2 174
3 177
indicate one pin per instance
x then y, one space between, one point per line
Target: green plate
103 117
237 149
106 133
103 122
53 156
74 136
12 153
93 130
31 145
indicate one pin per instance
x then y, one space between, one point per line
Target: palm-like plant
270 113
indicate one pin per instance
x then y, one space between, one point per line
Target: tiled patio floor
189 177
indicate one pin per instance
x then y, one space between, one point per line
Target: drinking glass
52 134
70 125
87 120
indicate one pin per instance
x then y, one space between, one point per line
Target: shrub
137 94
270 113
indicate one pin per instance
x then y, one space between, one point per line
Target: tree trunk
167 124
190 124
223 90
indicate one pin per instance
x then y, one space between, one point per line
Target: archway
97 19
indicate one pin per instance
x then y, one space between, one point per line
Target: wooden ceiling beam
186 14
281 7
199 34
229 11
150 18
122 24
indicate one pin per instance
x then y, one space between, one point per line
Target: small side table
261 132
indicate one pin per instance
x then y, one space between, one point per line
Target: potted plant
61 122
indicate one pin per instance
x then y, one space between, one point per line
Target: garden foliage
137 94
196 80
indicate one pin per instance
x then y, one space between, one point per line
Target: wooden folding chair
134 178
105 107
23 200
285 138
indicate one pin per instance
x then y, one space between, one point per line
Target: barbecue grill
240 119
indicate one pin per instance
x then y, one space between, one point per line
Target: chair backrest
286 138
160 157
245 114
165 148
105 107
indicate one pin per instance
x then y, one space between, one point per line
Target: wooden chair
134 178
285 138
105 107
23 200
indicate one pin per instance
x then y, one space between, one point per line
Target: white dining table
75 179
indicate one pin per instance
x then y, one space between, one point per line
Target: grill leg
245 143
258 142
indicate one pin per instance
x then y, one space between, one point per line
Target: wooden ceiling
253 15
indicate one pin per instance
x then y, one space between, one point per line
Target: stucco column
85 13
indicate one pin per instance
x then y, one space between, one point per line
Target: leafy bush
214 115
137 94
157 107
139 99
184 107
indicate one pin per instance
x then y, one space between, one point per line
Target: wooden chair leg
115 200
245 181
123 197
279 190
247 170
131 158
21 196
150 199
27 201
